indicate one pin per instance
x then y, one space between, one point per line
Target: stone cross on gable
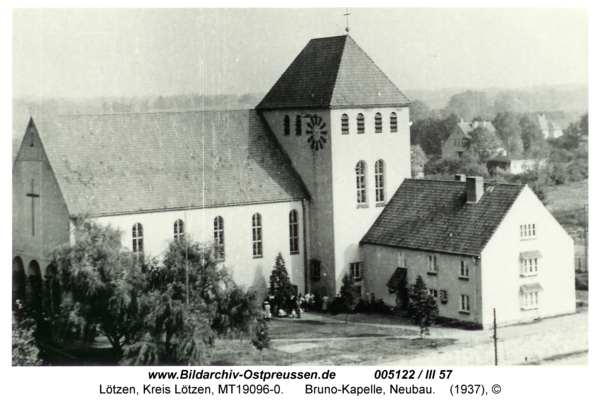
33 197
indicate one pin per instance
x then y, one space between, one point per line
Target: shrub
25 351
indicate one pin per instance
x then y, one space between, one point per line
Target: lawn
325 340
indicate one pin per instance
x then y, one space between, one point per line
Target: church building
306 174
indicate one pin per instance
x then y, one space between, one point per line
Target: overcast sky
129 52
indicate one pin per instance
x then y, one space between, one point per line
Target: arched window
393 123
378 124
298 125
380 181
219 237
178 230
256 235
345 126
138 239
286 125
361 183
360 124
294 248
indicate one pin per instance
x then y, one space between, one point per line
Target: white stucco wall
500 260
381 262
350 222
158 233
314 167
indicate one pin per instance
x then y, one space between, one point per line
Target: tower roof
332 73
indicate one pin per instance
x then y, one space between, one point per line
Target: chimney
461 120
474 188
460 177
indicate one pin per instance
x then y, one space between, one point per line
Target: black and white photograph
394 188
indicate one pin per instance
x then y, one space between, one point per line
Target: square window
527 231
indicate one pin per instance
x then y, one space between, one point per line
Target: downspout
304 224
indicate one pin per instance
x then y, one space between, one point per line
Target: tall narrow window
219 237
433 267
298 125
315 269
393 123
378 124
178 230
138 240
286 125
256 235
379 182
465 305
345 126
360 124
464 269
361 183
294 232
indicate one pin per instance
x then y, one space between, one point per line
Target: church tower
345 128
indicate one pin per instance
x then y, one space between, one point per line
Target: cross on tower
347 24
33 197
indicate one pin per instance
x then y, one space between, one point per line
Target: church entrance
19 281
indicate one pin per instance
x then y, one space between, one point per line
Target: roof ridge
337 73
455 181
146 113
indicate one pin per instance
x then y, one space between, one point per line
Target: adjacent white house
479 247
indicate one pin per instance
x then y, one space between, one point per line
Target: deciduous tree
484 143
103 280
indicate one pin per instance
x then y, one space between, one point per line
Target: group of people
292 307
296 304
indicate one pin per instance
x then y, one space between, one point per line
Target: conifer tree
422 308
280 286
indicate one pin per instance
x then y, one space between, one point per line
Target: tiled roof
332 72
433 215
124 163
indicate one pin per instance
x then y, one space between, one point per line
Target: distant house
549 129
479 247
506 164
458 141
